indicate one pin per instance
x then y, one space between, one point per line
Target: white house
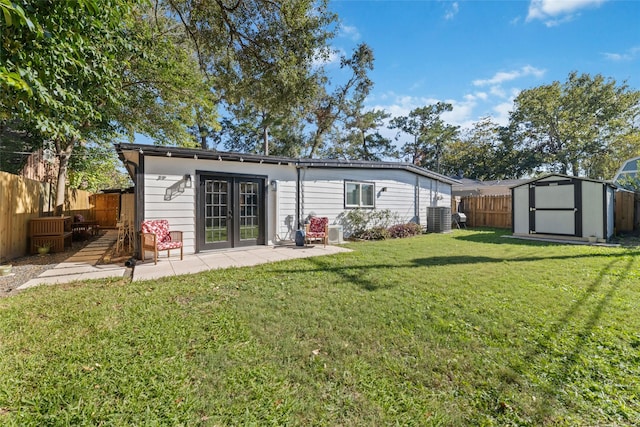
564 206
225 200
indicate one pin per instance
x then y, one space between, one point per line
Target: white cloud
498 91
556 12
350 32
505 76
326 56
502 111
629 55
452 11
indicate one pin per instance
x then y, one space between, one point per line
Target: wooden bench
54 231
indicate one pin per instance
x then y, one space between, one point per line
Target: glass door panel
231 212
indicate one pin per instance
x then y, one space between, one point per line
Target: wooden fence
495 211
627 204
485 211
23 199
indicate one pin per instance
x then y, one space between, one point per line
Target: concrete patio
84 264
245 257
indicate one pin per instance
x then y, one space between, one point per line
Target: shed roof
195 153
539 178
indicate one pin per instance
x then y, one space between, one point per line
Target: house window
359 194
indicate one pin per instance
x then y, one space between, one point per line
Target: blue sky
478 55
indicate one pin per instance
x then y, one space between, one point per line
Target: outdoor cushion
155 236
318 226
169 245
159 227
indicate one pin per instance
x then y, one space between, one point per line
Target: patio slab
246 257
81 265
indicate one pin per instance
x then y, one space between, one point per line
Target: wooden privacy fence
495 211
24 199
626 212
485 211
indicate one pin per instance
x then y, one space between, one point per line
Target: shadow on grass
500 236
363 275
560 370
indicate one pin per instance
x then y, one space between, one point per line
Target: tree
95 167
363 141
430 134
166 95
572 122
473 154
69 60
327 109
259 53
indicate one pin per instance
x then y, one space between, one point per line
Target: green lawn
468 328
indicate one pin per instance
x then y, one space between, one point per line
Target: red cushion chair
317 229
155 236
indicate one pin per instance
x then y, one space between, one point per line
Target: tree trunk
265 139
202 133
575 168
63 167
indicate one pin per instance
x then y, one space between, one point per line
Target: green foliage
573 124
466 328
629 182
400 231
259 53
377 225
95 167
431 135
166 95
363 141
358 221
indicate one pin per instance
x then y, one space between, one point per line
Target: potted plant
5 270
44 248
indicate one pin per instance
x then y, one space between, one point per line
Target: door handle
229 214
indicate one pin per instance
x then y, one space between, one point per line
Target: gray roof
156 150
566 177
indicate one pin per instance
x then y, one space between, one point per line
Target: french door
231 212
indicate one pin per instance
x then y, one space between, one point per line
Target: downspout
298 199
138 202
416 203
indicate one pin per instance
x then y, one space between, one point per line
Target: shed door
231 212
554 207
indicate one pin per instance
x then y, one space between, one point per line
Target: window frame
360 185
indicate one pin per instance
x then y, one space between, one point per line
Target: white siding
521 210
284 220
408 195
610 211
160 174
592 210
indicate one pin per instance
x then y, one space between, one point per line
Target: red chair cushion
169 245
318 226
159 227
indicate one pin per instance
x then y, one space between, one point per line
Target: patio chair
317 229
155 236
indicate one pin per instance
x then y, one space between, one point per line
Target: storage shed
564 206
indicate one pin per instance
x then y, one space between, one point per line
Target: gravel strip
31 266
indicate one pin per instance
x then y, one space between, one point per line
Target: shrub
375 233
358 221
404 230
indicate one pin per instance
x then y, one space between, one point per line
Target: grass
468 328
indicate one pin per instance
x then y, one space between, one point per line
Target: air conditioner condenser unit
335 234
